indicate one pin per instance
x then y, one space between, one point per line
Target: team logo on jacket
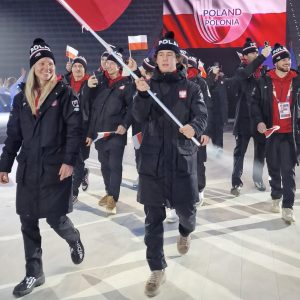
75 104
122 87
182 94
54 103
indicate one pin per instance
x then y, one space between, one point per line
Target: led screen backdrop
225 23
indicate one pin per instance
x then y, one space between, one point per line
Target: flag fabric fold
99 14
270 131
71 52
137 140
103 135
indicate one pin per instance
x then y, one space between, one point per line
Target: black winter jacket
111 107
208 102
46 143
218 93
167 163
244 78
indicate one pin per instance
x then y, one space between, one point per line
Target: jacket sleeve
85 101
198 111
209 107
128 98
211 82
256 111
141 108
14 138
73 122
244 73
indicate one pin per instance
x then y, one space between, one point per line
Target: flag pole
110 51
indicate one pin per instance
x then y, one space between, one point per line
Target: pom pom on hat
38 50
279 52
168 42
249 47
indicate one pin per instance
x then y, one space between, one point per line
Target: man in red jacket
276 103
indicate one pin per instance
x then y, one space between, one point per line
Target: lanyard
287 96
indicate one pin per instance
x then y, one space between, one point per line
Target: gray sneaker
259 185
156 279
236 190
183 244
288 215
275 206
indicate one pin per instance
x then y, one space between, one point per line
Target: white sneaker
156 279
201 199
288 215
275 206
171 215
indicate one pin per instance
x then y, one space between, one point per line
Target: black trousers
154 231
201 159
217 131
111 158
84 153
280 156
62 225
78 173
240 149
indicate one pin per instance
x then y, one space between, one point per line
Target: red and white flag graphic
225 23
137 42
137 140
99 14
71 52
271 130
103 135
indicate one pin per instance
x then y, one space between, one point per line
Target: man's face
103 62
251 56
78 71
284 65
166 61
112 68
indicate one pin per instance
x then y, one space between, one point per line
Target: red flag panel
225 23
99 14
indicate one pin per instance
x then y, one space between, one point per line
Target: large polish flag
99 14
225 23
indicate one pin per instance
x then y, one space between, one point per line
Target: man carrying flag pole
167 162
121 62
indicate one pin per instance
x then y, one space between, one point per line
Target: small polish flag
137 42
137 140
71 52
269 131
103 135
201 69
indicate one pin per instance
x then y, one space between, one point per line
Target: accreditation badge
284 110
